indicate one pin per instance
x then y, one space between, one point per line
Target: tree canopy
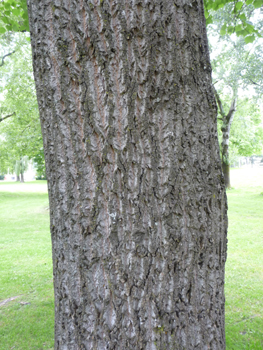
14 16
235 19
20 132
237 74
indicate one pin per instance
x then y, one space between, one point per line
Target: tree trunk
22 177
225 151
226 172
227 120
137 197
18 178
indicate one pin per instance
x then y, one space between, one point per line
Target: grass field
25 268
27 321
244 268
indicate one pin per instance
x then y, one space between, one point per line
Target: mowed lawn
27 321
244 268
25 268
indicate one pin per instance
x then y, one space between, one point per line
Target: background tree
17 170
253 71
232 62
4 57
227 119
39 162
21 166
234 17
247 132
21 134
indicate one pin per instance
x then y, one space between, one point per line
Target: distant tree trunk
226 169
22 177
18 178
227 120
137 196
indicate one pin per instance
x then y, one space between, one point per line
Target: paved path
24 187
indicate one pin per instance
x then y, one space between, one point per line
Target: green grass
244 268
26 266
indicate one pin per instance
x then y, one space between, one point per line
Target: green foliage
234 17
252 73
237 71
247 131
21 165
236 65
14 16
39 162
230 63
21 133
246 135
225 160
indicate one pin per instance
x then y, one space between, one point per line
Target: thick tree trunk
137 197
17 178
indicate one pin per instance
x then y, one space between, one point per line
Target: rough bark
227 120
137 197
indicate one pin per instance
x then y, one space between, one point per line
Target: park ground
26 291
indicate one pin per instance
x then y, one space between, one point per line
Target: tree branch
28 126
254 82
218 100
7 116
232 110
3 58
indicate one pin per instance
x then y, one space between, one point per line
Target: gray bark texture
137 197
